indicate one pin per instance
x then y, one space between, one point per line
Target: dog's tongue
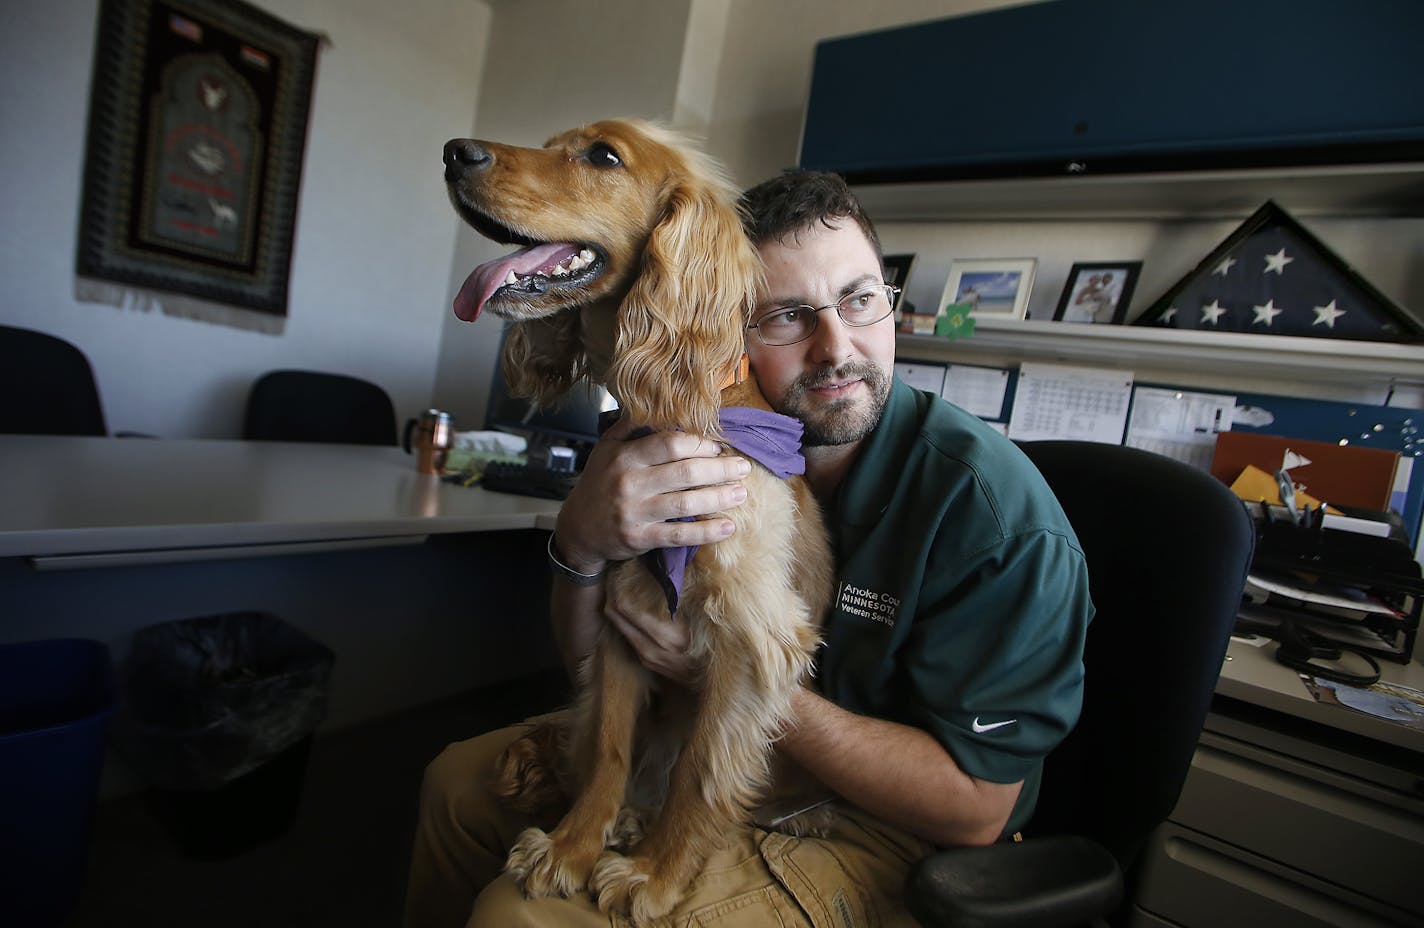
490 276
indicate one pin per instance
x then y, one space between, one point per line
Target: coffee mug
434 436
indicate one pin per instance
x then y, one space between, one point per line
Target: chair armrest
1063 880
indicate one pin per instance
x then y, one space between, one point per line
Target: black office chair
1168 547
46 386
291 405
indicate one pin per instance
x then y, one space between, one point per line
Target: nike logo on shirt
980 729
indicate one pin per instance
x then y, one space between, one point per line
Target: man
953 654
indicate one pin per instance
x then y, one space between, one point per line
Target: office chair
47 385
291 405
1168 547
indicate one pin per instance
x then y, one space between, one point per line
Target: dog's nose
463 155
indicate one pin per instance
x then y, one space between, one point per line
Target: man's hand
659 640
617 511
629 490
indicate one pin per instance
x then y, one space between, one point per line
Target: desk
1274 808
71 501
423 589
1293 813
1252 675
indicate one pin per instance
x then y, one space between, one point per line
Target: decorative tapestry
197 124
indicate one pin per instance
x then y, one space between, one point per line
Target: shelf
1364 190
1128 347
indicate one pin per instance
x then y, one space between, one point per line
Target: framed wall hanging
197 125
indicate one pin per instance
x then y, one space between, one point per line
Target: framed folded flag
197 125
1273 277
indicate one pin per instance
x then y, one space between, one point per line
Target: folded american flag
1272 277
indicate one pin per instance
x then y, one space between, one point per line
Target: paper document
977 390
1059 401
921 376
1347 606
1179 424
1391 701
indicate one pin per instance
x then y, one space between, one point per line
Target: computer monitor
572 423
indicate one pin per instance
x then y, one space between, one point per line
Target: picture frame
897 270
996 287
1098 292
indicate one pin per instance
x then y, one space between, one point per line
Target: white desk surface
1253 675
62 495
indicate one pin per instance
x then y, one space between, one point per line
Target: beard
840 422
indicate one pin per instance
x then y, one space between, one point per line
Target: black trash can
218 715
56 696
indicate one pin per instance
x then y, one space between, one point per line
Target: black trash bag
207 700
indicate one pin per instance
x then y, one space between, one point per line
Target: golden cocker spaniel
633 270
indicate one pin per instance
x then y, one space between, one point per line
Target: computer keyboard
509 477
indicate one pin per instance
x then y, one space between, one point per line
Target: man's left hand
660 641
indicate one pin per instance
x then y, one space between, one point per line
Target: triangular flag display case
1273 277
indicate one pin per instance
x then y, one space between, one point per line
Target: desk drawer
1194 881
1309 819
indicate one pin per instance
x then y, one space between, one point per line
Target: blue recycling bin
56 696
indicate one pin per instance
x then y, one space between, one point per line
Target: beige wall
734 73
374 236
553 65
379 253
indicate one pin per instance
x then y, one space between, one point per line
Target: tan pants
852 879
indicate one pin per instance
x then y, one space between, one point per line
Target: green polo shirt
961 597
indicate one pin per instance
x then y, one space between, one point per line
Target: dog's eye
602 156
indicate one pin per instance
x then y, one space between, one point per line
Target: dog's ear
681 327
544 358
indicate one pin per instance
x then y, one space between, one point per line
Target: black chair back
1168 547
46 386
292 405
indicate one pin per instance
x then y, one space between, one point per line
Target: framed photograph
897 274
1098 292
994 287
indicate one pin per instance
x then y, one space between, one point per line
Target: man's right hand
630 488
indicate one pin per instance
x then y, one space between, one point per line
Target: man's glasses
792 324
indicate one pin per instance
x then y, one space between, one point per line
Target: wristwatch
568 573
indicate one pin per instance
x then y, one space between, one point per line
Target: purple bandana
770 439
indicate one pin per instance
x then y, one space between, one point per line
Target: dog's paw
631 886
543 866
628 830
